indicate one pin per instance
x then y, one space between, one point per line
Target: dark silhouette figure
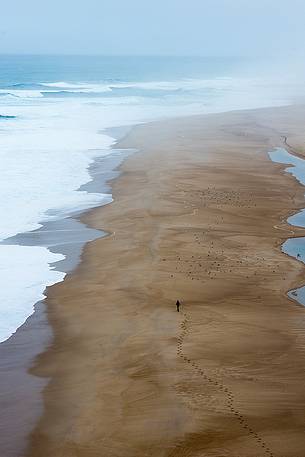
178 305
299 255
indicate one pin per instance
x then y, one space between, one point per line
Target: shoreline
117 343
92 218
35 335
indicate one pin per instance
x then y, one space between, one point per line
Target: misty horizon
173 28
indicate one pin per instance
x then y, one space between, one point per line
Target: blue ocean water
210 82
31 70
54 112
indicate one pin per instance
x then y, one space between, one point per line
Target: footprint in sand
230 396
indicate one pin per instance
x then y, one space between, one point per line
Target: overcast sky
167 27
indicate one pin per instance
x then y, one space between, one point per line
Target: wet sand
199 215
21 399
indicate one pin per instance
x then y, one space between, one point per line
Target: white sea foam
24 274
63 85
182 84
264 88
187 84
21 93
80 87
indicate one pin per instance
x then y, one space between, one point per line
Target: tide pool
294 247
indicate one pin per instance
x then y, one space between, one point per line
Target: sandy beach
199 215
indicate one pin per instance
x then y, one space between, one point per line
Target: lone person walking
178 305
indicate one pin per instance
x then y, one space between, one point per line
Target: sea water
54 112
294 247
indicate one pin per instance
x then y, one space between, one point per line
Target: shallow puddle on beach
295 247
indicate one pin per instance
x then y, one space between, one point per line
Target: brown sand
198 215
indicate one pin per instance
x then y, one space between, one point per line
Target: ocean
55 116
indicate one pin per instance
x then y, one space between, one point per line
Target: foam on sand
24 274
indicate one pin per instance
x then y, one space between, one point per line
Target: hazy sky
170 27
